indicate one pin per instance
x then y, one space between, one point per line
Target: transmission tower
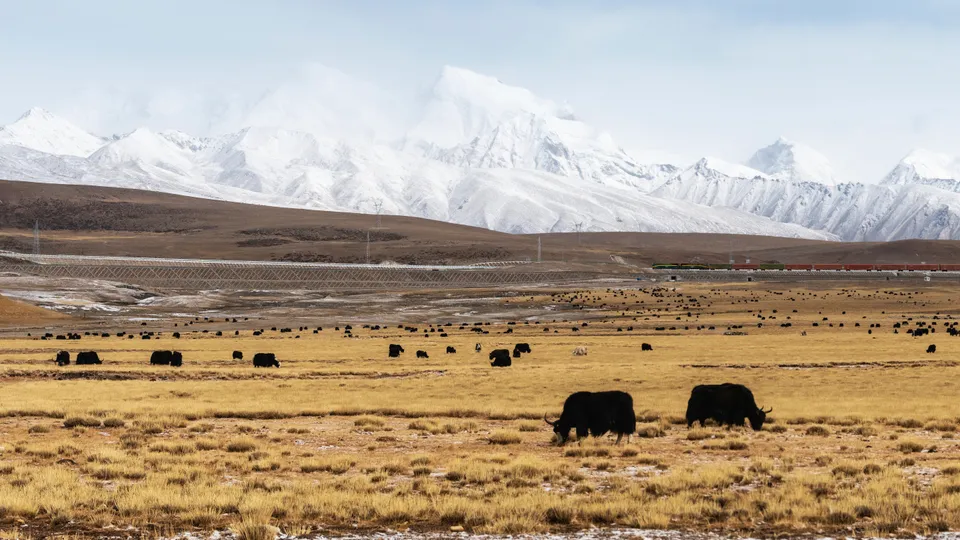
36 237
579 228
378 206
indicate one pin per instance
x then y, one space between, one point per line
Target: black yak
726 404
595 413
395 350
422 354
265 360
161 358
237 355
88 358
646 347
932 349
63 358
522 348
500 358
451 350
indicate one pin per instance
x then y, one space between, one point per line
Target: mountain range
479 152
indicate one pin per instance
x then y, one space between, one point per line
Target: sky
862 81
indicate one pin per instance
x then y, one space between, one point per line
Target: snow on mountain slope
789 160
926 168
475 121
487 154
40 130
853 212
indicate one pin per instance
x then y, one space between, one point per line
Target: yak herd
599 413
498 357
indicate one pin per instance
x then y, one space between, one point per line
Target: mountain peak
923 166
39 129
37 113
463 105
789 160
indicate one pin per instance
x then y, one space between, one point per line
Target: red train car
858 267
798 267
950 267
746 267
890 266
923 267
828 267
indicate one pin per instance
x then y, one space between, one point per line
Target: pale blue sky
863 81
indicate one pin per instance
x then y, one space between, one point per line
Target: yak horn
767 412
547 421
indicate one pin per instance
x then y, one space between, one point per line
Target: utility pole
36 237
368 246
378 206
539 245
579 227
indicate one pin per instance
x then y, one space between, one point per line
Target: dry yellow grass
861 438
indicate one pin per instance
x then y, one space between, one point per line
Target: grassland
862 437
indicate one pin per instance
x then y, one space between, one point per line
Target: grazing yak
646 347
63 358
451 350
580 351
932 349
395 350
521 348
87 358
727 404
237 355
595 413
422 354
500 358
265 360
161 358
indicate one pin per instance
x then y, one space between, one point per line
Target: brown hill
90 220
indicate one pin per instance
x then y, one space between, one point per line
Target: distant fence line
264 275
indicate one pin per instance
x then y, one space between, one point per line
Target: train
847 267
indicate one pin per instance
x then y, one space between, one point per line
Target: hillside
91 220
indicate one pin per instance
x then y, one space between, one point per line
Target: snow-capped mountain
484 153
853 212
475 121
789 160
41 130
292 168
926 168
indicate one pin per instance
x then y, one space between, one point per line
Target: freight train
811 267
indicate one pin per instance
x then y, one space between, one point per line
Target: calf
646 347
932 349
63 358
237 355
422 354
451 350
